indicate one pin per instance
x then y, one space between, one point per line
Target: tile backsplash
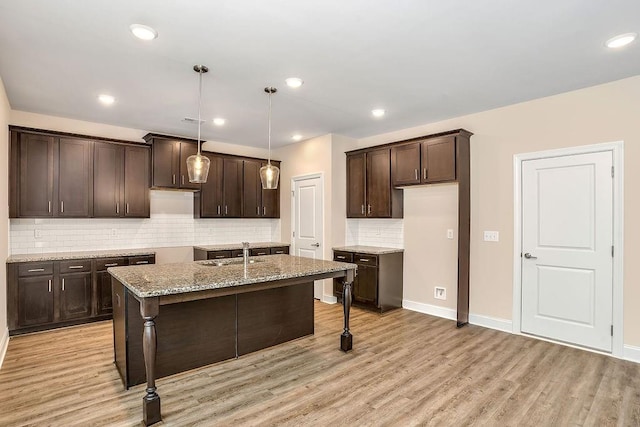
171 224
375 232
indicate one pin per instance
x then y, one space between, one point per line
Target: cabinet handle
279 252
34 270
218 209
62 284
173 179
341 257
424 173
362 210
264 211
127 207
182 179
258 208
75 267
225 209
416 173
368 209
50 285
142 262
49 206
62 207
111 264
219 256
117 207
364 260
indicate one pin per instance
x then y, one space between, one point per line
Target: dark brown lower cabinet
52 294
201 254
378 282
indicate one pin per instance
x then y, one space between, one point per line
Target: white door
307 228
567 238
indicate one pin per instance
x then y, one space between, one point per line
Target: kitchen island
198 313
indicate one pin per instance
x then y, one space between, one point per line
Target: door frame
617 150
305 177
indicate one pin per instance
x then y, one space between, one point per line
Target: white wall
4 217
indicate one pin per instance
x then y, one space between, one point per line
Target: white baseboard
4 343
329 299
631 353
434 310
503 325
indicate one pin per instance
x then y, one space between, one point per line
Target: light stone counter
61 256
373 250
234 246
168 279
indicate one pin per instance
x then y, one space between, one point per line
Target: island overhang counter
170 318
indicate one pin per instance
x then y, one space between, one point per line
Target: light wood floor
406 369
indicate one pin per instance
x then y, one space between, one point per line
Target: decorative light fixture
621 40
197 164
269 174
143 32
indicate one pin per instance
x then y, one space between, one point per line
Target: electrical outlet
491 236
450 233
37 233
114 232
440 293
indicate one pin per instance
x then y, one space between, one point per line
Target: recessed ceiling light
219 121
621 40
378 112
296 137
294 82
143 32
106 99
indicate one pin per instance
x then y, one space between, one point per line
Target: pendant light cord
269 158
199 107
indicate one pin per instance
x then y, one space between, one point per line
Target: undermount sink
222 263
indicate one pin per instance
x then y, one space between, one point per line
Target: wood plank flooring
406 369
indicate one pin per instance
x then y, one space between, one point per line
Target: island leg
346 339
149 308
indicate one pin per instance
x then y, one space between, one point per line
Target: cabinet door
252 190
211 191
35 300
75 296
36 175
136 182
75 178
187 149
270 198
366 285
379 183
166 158
439 159
232 193
405 164
105 305
356 165
108 160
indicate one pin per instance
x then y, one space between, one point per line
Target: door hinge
611 330
611 251
293 193
294 234
611 171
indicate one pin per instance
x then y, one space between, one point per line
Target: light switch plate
450 233
440 293
491 236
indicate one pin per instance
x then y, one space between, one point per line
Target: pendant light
197 164
269 174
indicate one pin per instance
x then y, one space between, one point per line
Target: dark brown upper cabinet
169 160
121 181
232 187
257 202
427 161
369 190
50 176
209 202
270 198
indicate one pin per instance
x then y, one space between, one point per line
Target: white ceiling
423 60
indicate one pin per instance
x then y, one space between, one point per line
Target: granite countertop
373 250
60 256
232 246
167 279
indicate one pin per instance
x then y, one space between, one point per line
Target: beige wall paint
594 115
5 109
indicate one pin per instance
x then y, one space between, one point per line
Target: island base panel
274 316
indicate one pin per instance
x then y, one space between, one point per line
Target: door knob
315 245
529 256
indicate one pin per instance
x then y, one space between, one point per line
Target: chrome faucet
245 253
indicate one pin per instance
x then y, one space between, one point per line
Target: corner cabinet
369 190
170 156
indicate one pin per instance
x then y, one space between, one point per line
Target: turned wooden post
346 339
151 401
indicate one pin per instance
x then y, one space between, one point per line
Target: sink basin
222 263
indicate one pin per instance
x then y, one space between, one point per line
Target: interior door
308 213
567 265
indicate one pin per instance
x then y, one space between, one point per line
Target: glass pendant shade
198 168
269 175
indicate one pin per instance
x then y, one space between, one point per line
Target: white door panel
567 219
307 196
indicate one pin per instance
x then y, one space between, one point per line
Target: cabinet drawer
218 254
236 253
343 256
75 266
366 259
260 251
104 263
35 269
143 259
279 250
